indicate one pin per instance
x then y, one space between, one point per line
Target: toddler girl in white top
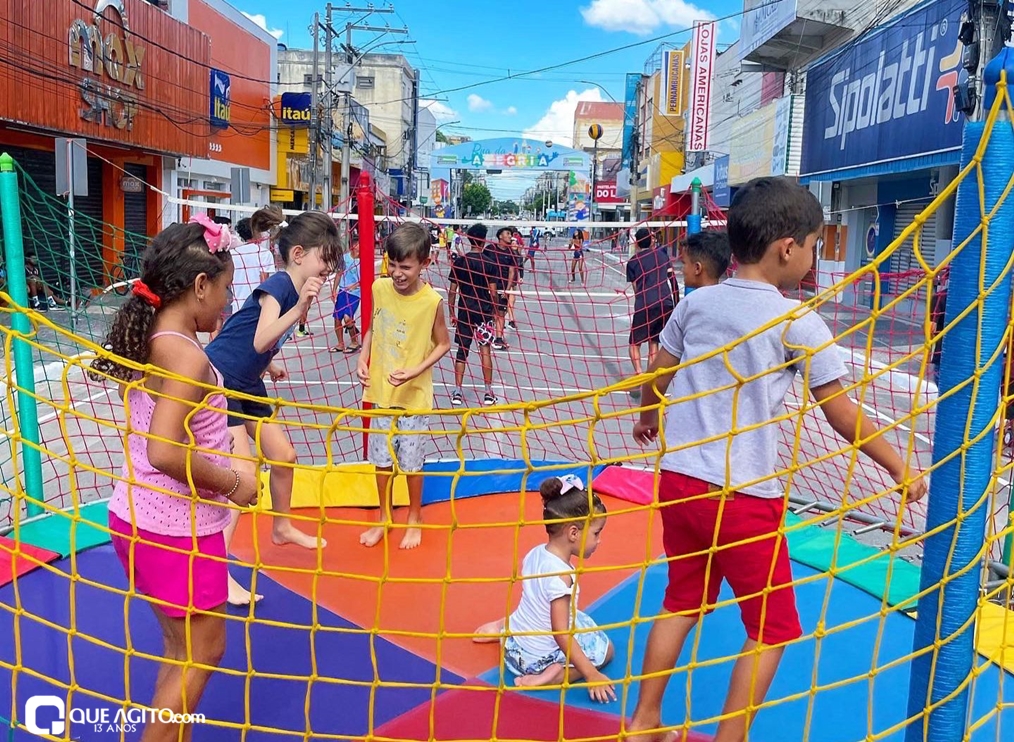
547 639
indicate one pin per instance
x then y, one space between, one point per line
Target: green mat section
58 531
862 566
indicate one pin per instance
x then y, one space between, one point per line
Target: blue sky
464 42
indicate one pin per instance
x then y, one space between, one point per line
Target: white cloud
441 111
511 111
557 124
261 21
477 104
642 16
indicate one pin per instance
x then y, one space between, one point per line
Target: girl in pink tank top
168 513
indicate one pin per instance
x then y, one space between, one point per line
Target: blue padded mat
279 702
838 714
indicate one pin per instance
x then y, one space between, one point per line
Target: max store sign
112 65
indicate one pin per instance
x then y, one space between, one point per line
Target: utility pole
328 108
314 116
352 61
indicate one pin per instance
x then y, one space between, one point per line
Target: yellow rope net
353 643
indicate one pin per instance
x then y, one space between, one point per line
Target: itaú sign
112 65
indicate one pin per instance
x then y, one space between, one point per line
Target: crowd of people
189 467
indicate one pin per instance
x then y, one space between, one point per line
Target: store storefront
882 137
132 82
240 82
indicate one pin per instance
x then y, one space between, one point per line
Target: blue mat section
334 709
838 714
478 479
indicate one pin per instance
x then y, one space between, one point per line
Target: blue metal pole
959 499
694 217
24 364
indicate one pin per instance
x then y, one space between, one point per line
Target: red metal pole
367 265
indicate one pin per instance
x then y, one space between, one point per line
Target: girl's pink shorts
168 569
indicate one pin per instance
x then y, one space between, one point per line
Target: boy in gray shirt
739 346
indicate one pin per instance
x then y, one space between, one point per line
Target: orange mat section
416 594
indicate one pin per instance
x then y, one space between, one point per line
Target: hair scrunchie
141 290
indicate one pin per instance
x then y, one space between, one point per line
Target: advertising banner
670 97
889 96
720 191
296 109
700 91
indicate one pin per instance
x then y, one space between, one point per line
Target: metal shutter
903 258
44 221
135 222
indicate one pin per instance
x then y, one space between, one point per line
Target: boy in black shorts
656 294
474 277
503 256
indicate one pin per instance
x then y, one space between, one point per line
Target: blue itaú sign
889 96
221 99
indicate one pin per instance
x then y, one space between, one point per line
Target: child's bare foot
239 595
552 675
413 537
285 533
373 536
638 732
489 632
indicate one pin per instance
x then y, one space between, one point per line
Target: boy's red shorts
749 553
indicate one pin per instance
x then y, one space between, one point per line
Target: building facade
241 80
758 87
133 82
388 86
606 155
882 135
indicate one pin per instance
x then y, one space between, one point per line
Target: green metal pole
24 365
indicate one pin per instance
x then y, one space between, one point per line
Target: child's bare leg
282 456
665 642
751 678
373 536
552 675
340 345
180 687
490 632
350 325
413 536
635 359
244 462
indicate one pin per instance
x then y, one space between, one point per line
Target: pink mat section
632 485
13 566
474 712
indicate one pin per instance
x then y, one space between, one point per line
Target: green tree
475 199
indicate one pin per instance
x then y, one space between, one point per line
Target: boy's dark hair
243 229
309 229
643 238
508 230
710 248
408 241
766 210
477 235
170 265
576 504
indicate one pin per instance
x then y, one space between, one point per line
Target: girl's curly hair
170 265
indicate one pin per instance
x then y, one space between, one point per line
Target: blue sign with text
720 191
629 117
889 96
221 94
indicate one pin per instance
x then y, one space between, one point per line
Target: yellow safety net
353 643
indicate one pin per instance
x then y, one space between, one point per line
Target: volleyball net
563 383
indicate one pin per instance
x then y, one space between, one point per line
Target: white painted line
74 405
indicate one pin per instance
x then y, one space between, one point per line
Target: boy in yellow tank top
407 336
